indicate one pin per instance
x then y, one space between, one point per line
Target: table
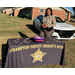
25 52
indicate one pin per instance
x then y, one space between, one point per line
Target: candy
38 37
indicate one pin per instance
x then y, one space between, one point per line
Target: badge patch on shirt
54 18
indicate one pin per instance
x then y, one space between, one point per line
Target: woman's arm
48 23
44 25
53 22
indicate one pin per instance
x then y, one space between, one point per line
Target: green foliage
73 8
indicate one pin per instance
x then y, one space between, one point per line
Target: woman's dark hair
46 11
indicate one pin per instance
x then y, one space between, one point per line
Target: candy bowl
38 38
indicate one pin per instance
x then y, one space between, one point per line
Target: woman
48 22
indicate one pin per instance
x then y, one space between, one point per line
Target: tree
74 11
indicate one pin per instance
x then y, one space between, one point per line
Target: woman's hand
44 26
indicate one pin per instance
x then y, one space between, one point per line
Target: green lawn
16 27
73 19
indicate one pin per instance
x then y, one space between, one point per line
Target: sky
71 9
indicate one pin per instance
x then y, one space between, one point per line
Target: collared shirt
49 20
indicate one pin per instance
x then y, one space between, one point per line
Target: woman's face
48 12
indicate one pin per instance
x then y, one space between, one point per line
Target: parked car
63 30
0 12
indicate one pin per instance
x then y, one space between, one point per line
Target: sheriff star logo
37 55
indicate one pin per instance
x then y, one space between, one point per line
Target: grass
16 27
73 19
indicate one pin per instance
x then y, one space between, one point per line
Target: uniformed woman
48 22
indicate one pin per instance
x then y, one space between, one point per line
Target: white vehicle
63 31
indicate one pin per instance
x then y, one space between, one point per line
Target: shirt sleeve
43 20
53 23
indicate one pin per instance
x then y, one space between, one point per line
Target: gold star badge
37 55
54 18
